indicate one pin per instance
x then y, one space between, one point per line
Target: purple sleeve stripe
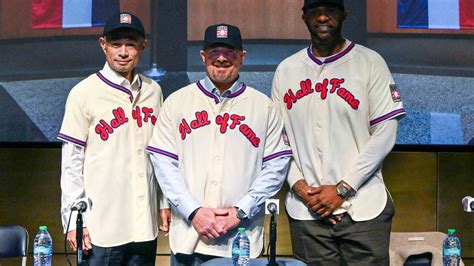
390 115
276 155
162 152
71 139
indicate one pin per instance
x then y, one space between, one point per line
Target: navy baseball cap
124 20
310 3
223 34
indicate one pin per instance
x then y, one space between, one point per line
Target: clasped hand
211 223
322 201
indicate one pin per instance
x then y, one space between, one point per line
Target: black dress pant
346 243
130 254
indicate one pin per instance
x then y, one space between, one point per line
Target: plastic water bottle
42 247
451 249
241 248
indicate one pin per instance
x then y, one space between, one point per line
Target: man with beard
218 154
340 107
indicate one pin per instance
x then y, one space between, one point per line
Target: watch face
342 191
241 214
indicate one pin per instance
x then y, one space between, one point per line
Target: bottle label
43 250
451 251
236 250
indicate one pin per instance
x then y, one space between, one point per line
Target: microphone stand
273 239
79 224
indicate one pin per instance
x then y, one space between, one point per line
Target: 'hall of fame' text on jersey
106 108
219 146
114 126
329 107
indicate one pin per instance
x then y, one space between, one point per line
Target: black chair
13 242
423 259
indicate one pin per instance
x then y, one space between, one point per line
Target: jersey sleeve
276 92
163 140
274 167
76 122
276 144
164 156
384 97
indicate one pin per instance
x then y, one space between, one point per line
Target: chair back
13 242
406 244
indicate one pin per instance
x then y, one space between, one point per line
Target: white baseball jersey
220 148
115 127
329 107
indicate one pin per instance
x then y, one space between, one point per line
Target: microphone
272 206
81 205
468 204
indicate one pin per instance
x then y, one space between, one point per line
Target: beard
222 72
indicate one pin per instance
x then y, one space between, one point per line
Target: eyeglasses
225 52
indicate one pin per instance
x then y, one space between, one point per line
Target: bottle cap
241 230
450 231
43 227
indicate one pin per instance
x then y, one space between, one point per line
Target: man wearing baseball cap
218 153
108 121
340 130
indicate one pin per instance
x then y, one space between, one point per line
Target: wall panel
456 180
411 179
262 19
30 190
15 20
30 194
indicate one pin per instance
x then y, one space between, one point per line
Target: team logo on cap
126 18
222 32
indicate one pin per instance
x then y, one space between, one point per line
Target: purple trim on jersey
276 155
329 59
208 94
116 86
140 83
71 139
162 152
237 93
390 115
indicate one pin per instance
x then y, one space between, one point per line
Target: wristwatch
241 215
343 190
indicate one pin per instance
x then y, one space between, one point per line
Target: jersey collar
207 87
117 81
348 47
